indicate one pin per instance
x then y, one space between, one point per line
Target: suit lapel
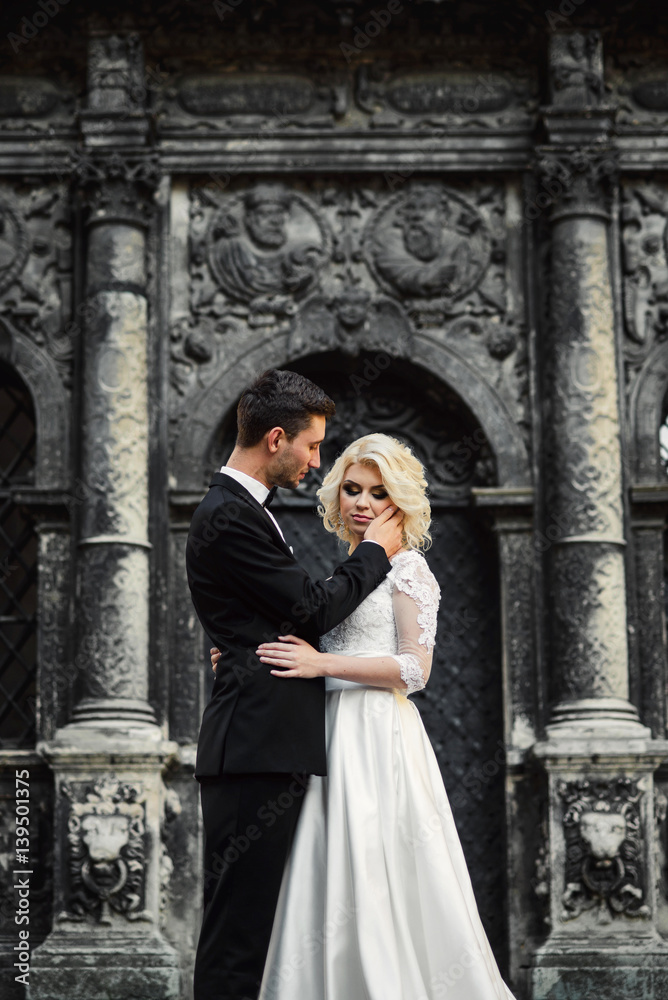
221 479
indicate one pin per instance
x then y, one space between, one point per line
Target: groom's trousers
249 824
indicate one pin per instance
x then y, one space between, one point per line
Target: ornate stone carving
115 72
281 99
239 292
428 242
604 865
118 187
36 270
584 437
27 97
588 632
107 853
266 247
453 97
644 218
578 180
352 321
639 90
576 69
14 245
394 96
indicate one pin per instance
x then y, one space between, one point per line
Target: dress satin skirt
376 901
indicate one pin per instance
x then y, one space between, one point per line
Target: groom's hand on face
387 530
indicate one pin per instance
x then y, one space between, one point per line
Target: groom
260 738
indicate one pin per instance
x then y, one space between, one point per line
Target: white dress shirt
255 488
260 492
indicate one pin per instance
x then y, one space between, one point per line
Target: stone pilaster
599 863
111 870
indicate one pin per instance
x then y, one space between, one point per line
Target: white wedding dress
376 901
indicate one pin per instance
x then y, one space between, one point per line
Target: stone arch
50 401
504 437
646 406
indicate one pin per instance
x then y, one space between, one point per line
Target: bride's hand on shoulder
215 656
293 656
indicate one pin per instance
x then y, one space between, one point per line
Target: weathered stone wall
454 216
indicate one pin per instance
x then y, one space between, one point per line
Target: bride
376 901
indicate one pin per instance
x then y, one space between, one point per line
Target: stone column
599 863
111 867
113 583
583 466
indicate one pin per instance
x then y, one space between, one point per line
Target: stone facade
453 217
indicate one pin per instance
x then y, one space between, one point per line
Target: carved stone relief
638 89
381 93
107 851
604 863
428 243
36 104
345 267
576 69
265 249
36 269
644 220
395 97
278 100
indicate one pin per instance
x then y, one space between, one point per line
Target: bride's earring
341 523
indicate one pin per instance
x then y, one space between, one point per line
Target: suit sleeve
244 554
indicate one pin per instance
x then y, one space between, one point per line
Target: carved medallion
428 242
265 243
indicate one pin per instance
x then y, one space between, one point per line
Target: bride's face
362 497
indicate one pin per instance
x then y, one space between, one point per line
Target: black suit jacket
247 588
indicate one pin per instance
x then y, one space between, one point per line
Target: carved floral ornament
604 865
106 851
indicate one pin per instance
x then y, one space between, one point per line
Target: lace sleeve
415 598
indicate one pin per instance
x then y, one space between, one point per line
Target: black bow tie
270 496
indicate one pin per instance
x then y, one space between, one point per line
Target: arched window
18 566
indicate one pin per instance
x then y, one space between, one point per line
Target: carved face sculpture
351 307
265 223
578 47
105 836
603 833
423 217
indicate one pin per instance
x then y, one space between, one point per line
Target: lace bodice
397 619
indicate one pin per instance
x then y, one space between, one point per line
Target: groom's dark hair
279 399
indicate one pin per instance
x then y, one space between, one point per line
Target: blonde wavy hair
402 476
